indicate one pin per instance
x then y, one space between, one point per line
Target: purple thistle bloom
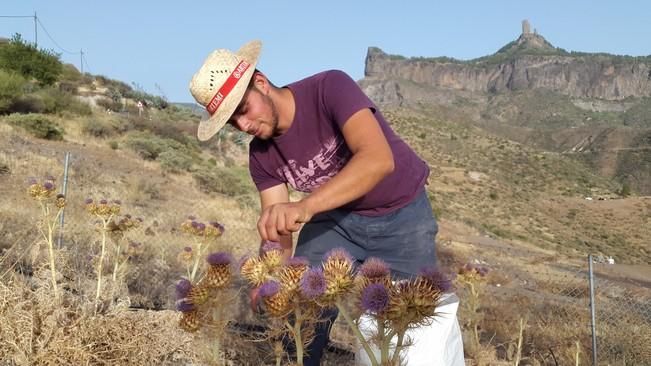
218 258
188 249
313 283
339 253
184 305
201 226
269 245
103 202
183 288
48 186
374 268
269 288
192 217
375 298
297 262
436 278
218 226
88 201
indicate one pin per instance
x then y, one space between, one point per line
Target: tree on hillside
25 59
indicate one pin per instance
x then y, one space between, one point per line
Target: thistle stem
101 261
297 336
358 333
195 267
396 353
384 342
50 246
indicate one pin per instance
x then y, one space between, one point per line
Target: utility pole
35 31
81 60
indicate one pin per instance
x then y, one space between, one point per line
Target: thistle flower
48 186
276 302
269 246
374 298
313 283
292 271
198 294
185 306
436 278
183 287
219 272
254 270
375 270
88 201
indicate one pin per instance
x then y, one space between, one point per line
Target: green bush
11 87
100 128
150 146
107 103
175 161
24 58
38 125
228 181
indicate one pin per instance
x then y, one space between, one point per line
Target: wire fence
540 314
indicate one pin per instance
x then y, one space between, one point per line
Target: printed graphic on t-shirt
319 169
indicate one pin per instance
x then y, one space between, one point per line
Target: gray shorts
404 239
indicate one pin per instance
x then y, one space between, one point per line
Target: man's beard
274 115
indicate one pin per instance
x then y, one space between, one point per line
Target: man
322 136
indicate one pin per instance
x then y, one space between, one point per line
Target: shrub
38 125
25 59
175 161
11 87
109 103
150 146
228 181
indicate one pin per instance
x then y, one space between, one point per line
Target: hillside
534 93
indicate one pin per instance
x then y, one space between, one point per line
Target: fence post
64 191
592 311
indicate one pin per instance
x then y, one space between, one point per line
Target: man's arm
269 197
371 161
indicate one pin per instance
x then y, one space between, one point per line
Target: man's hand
282 219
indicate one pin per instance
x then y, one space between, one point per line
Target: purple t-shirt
313 149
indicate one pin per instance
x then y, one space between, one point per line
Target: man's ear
261 82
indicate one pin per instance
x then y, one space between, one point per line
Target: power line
53 41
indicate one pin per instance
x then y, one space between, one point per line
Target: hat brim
210 125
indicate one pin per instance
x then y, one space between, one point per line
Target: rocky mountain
534 93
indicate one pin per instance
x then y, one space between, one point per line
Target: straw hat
220 84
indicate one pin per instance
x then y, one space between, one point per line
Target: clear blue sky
164 42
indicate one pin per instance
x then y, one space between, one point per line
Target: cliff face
591 76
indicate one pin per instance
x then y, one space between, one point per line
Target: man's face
256 115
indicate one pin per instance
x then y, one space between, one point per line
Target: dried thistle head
190 321
60 201
272 259
277 302
219 270
472 272
436 279
292 271
412 303
254 270
313 284
185 256
338 271
214 229
41 191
